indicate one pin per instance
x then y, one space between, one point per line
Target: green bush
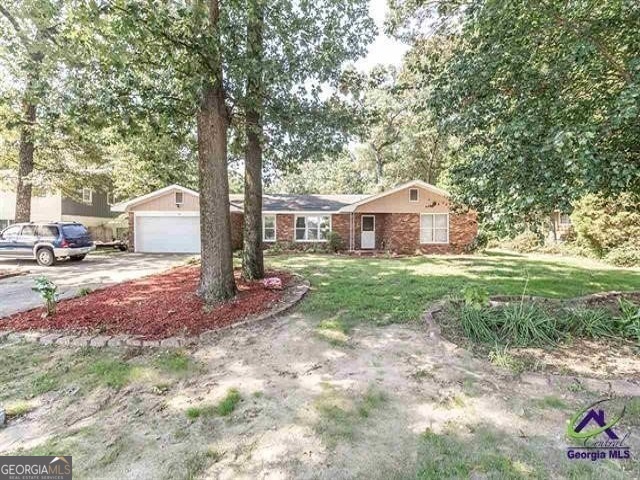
629 319
335 242
604 224
624 256
475 297
480 242
525 242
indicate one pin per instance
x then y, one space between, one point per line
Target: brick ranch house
415 217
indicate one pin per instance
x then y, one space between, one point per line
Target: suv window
29 231
74 231
48 232
11 233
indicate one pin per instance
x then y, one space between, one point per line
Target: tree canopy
542 98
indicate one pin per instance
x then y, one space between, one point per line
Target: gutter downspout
351 231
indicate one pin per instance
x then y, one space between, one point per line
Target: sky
384 49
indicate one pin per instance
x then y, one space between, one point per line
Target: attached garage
168 221
164 233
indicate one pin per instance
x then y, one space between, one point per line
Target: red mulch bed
153 307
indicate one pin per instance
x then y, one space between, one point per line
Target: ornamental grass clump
479 324
528 325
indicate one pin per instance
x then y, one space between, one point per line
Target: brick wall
340 225
284 227
402 233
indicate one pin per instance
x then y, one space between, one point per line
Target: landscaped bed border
293 294
617 385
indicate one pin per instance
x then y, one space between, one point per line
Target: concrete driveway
97 270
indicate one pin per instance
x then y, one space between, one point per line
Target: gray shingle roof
301 203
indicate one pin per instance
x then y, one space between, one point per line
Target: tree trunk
379 166
25 162
252 258
216 276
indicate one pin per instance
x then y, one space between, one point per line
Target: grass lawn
280 398
348 290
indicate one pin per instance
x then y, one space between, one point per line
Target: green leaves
543 99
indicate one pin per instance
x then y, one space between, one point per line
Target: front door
368 233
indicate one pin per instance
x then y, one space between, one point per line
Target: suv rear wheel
45 257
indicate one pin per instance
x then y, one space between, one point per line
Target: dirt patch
155 307
391 404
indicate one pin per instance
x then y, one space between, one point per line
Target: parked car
46 241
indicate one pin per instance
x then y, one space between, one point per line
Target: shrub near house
610 227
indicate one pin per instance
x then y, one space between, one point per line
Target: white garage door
175 234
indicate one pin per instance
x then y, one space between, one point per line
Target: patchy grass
44 383
500 357
113 373
228 404
632 411
200 411
225 407
488 453
551 402
28 370
340 416
113 451
393 290
176 362
18 409
333 330
194 464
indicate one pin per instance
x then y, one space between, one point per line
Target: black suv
46 241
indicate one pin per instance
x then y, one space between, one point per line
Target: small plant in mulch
84 291
49 293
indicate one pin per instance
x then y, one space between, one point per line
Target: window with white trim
87 196
434 228
312 228
179 198
268 228
565 219
414 195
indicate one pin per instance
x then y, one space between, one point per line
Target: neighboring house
92 209
414 217
560 226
